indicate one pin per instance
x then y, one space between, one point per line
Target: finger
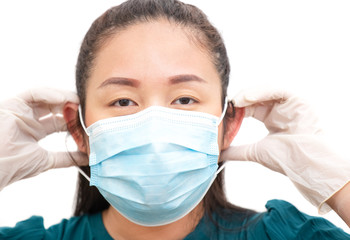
253 96
53 123
49 96
45 101
67 159
237 153
39 102
259 111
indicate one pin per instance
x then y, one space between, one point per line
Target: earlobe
70 113
232 127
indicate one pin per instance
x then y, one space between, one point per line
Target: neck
121 228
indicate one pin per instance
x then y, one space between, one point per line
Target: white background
300 45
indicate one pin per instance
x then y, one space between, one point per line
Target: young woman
153 118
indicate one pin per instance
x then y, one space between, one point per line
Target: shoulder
82 227
30 229
284 221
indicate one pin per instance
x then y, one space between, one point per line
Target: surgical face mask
156 165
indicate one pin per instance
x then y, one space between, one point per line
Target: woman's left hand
294 146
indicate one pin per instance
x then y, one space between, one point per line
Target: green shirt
281 221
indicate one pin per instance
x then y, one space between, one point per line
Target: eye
123 103
185 101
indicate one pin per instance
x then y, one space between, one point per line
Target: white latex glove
294 146
22 126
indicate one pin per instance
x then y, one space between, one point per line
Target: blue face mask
154 166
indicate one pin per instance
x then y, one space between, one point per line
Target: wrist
340 202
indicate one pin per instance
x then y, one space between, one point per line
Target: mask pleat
114 141
172 211
154 166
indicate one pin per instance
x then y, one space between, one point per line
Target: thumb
67 159
238 153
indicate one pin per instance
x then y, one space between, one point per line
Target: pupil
184 100
124 102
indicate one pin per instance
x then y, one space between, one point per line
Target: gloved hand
295 145
24 121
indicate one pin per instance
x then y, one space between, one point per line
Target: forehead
156 49
160 29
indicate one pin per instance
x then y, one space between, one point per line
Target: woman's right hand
24 121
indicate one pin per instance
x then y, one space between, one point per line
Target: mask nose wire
223 111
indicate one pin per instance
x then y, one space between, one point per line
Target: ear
70 114
232 127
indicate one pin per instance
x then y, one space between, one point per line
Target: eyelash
122 99
187 98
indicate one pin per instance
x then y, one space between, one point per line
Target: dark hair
88 199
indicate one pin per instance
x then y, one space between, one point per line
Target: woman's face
154 63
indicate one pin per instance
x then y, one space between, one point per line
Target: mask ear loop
82 121
83 173
220 168
223 111
70 156
220 119
75 163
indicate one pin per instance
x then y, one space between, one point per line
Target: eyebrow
185 78
120 81
177 79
